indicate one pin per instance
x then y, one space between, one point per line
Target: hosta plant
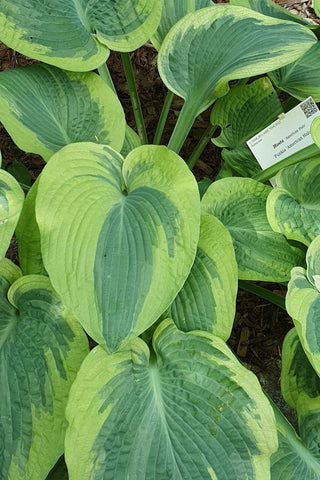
117 242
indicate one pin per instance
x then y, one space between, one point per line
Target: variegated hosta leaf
77 34
262 254
270 8
302 78
313 263
293 207
118 238
241 161
44 108
299 380
303 303
188 411
216 44
315 131
293 460
172 12
300 386
207 299
245 111
11 202
28 236
41 349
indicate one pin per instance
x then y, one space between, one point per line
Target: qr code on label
309 108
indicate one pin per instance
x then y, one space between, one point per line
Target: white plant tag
287 135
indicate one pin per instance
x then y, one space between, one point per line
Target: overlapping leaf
11 202
315 131
189 410
272 9
207 298
300 385
118 238
293 460
216 44
28 236
245 111
172 12
74 34
302 78
293 206
262 254
41 349
44 108
303 303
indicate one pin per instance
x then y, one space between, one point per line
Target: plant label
287 135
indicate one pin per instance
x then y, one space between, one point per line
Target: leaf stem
203 142
104 73
263 293
183 126
304 154
163 117
136 105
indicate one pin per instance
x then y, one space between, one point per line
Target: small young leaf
245 111
188 411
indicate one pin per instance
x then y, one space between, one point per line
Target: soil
259 327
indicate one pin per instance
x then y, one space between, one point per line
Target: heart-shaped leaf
293 206
211 46
262 254
207 298
188 410
77 35
302 78
172 12
44 108
41 349
11 202
118 238
303 303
